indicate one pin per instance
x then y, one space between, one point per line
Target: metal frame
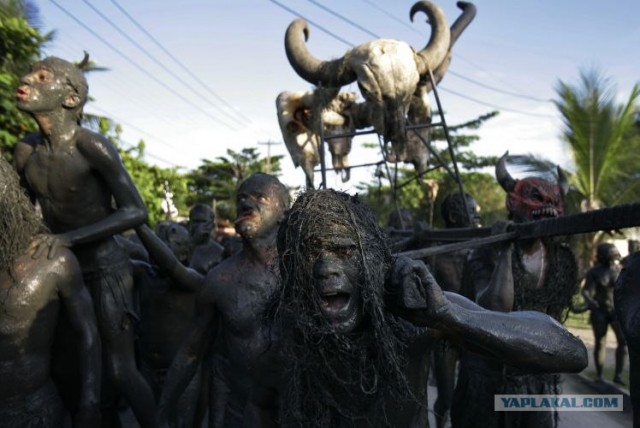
455 173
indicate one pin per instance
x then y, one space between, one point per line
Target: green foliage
215 182
602 138
20 45
424 196
151 181
604 143
415 196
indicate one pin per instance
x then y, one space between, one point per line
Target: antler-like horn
85 61
436 49
468 14
327 73
563 182
505 179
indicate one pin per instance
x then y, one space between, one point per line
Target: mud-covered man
34 291
166 312
86 197
457 211
528 275
627 307
206 252
231 311
598 293
356 325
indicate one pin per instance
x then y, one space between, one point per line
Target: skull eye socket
535 194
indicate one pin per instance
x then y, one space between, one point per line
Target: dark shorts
110 282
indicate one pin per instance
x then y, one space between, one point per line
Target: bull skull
391 76
300 115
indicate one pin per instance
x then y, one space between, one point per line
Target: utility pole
269 144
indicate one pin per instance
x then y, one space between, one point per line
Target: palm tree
604 142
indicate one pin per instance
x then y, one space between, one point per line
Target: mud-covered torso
166 313
602 279
242 290
29 309
69 191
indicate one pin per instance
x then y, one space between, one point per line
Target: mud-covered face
200 226
259 208
535 199
336 270
42 90
459 217
608 254
178 241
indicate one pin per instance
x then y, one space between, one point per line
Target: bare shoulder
64 265
96 148
24 149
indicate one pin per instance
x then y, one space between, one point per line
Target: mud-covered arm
531 341
627 301
162 255
185 363
130 209
589 290
79 307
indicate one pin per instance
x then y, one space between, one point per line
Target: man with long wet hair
355 324
36 292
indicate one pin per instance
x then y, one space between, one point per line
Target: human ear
71 101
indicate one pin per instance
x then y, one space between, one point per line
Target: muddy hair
336 379
74 77
19 221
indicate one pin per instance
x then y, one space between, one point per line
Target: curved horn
505 179
328 73
436 49
468 14
85 61
563 182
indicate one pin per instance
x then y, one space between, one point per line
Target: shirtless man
627 306
76 176
527 275
447 270
34 291
206 252
598 293
354 324
232 304
166 312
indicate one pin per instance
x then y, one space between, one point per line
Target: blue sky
509 59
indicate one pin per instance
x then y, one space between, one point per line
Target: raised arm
531 341
186 361
79 307
162 255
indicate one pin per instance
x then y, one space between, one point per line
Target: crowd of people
306 319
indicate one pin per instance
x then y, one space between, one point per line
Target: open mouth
546 212
334 301
246 214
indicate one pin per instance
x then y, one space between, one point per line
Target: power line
475 100
348 21
145 72
502 91
320 27
159 63
403 23
178 62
